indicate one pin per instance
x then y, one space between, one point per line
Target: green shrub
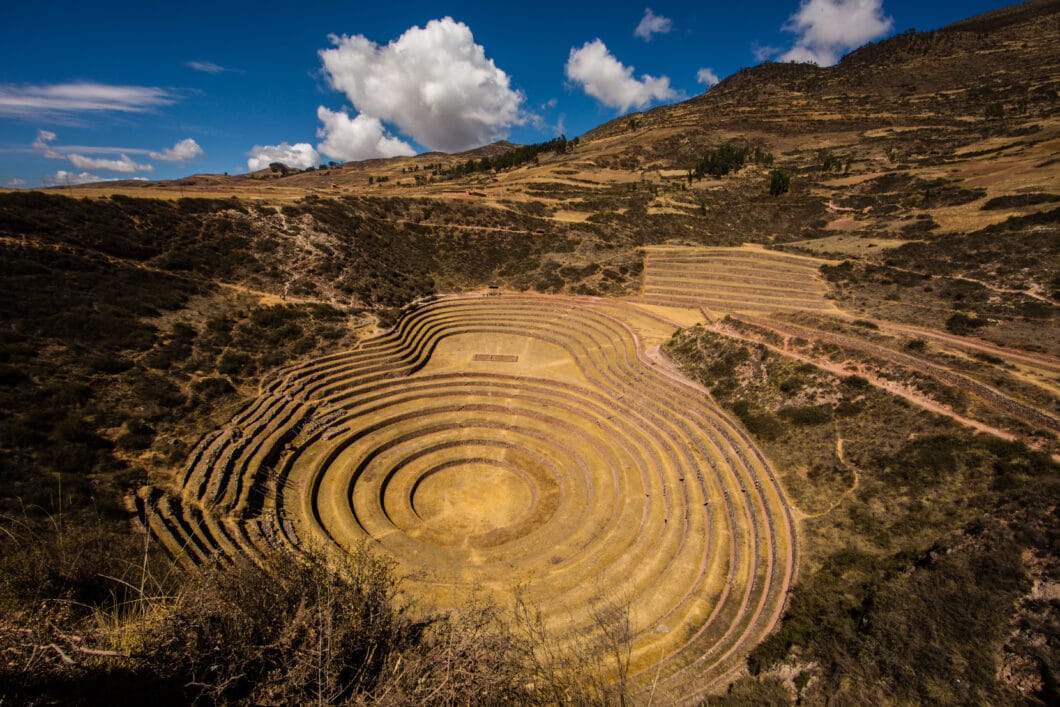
138 435
807 414
234 363
212 387
730 157
158 390
168 354
830 162
866 324
856 383
988 358
760 423
963 324
792 384
779 182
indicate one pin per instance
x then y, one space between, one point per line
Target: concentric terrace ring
502 445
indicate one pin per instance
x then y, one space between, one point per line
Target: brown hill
925 139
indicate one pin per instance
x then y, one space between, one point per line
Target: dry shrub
86 620
305 629
580 668
73 592
288 632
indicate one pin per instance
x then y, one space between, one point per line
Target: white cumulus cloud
300 155
651 25
606 79
825 29
186 149
29 102
63 178
707 77
434 83
359 138
123 164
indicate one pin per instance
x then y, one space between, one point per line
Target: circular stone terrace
512 445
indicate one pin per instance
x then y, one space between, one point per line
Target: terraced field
535 449
755 286
722 280
503 445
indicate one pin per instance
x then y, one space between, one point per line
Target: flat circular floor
460 502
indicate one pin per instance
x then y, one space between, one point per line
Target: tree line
507 160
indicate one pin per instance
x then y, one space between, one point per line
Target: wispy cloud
15 182
123 164
43 138
37 101
62 178
208 67
651 25
43 143
606 79
182 151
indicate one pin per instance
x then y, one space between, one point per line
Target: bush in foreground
294 630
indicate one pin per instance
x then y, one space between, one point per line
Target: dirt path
273 298
1042 361
987 285
988 394
854 471
890 386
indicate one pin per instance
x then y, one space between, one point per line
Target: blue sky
161 90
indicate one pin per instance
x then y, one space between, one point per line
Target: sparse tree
779 182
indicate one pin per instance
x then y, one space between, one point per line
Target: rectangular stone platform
501 358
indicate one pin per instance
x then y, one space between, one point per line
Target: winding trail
854 472
891 387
